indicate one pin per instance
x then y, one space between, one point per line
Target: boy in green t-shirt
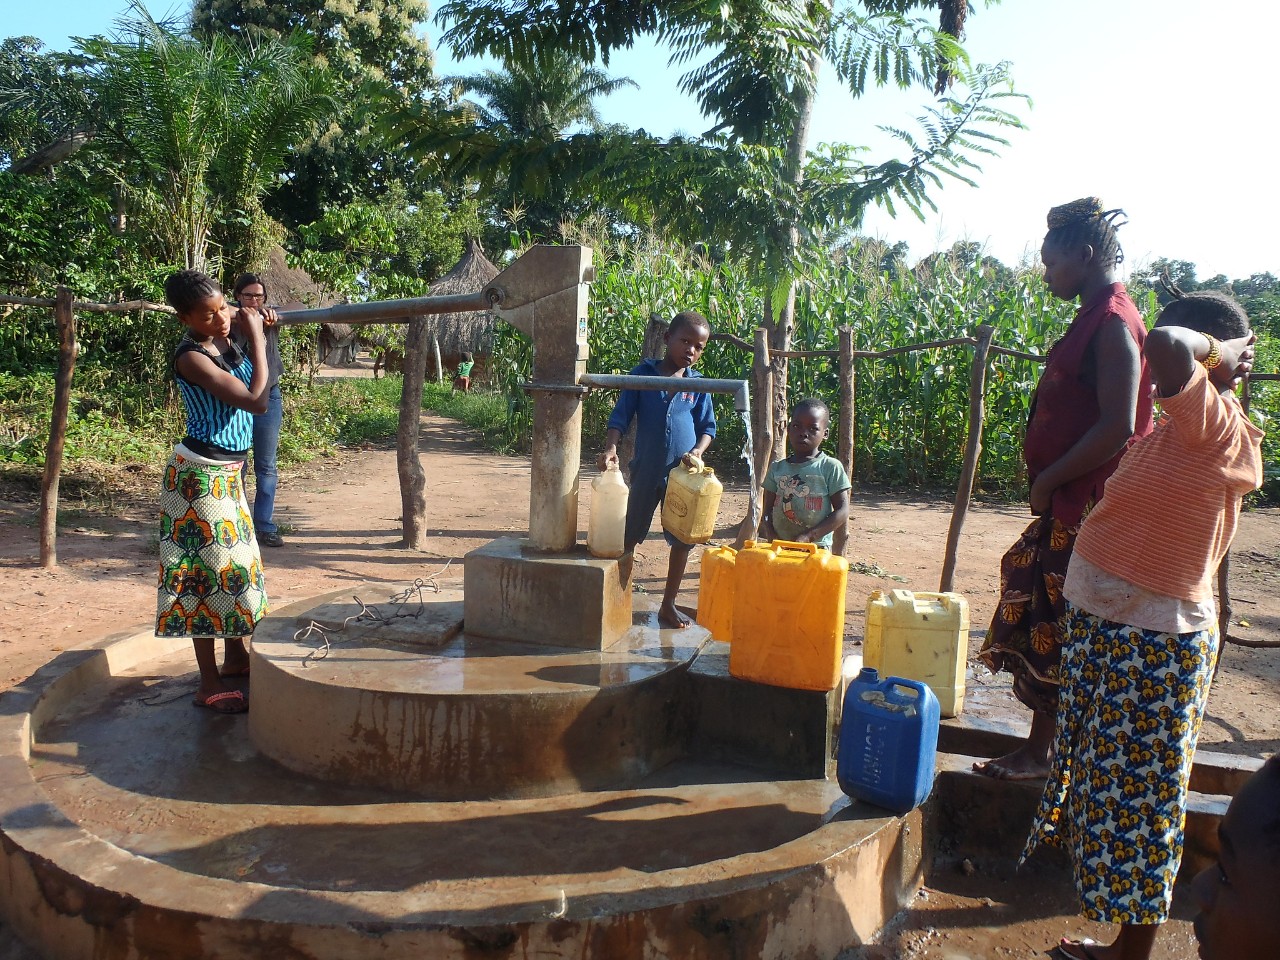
806 496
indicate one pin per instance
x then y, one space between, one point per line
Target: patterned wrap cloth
1026 631
1128 719
211 582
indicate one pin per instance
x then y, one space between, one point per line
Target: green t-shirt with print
803 494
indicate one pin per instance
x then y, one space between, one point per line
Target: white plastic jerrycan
606 530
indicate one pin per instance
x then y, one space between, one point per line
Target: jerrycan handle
904 691
780 545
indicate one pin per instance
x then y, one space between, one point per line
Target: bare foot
235 659
235 666
1026 763
669 616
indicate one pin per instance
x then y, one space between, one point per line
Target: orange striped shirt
1171 507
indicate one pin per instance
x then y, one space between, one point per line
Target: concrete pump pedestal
569 599
133 826
465 717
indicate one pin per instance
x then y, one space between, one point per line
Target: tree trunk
972 451
65 318
413 480
781 322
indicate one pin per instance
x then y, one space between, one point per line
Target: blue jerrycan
888 741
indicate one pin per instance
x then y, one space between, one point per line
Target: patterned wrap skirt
1026 631
1128 720
211 582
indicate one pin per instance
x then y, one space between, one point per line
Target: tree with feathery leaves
749 182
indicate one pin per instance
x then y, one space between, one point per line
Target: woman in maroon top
1093 400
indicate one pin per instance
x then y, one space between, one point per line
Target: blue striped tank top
211 422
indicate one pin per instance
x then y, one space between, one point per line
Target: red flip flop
228 701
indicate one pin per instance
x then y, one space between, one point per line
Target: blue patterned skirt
1129 712
211 582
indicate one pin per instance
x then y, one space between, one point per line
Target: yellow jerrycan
920 636
715 591
689 508
788 615
607 527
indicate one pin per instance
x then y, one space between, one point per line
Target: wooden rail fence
64 308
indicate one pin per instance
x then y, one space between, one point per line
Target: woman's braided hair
187 289
1205 311
1085 221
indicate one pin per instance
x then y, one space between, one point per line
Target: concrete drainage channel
130 827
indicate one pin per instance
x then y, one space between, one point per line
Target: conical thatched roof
464 331
286 284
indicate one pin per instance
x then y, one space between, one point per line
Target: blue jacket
668 424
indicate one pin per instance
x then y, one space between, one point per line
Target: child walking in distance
1092 401
1238 895
672 426
462 379
806 495
211 584
1142 631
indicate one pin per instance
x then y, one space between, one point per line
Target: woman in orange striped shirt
1141 628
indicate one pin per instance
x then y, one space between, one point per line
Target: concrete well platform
422 706
132 825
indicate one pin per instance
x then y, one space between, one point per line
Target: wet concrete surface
132 763
395 656
468 717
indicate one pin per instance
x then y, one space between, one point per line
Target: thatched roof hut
286 284
458 332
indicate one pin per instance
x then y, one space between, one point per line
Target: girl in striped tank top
211 584
1142 630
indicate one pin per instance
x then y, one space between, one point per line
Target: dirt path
343 530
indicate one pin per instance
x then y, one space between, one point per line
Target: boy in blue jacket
671 427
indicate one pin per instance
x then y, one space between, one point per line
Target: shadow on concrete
648 834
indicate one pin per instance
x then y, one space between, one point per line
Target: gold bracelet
1215 353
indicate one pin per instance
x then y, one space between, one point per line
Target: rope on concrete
370 614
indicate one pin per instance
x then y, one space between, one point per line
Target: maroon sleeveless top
1065 405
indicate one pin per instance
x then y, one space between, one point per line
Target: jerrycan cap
868 675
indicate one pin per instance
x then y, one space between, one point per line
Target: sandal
1075 949
228 701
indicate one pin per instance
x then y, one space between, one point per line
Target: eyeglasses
253 296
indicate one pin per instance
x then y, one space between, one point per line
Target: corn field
911 409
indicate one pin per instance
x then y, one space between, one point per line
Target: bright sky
1161 107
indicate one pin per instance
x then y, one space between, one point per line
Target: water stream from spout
752 522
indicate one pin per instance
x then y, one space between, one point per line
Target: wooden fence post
761 429
65 319
413 479
972 450
1224 568
846 426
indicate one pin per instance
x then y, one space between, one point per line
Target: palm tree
512 141
195 133
750 180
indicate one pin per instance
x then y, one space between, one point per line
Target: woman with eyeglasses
251 294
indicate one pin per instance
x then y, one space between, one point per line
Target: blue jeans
266 439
